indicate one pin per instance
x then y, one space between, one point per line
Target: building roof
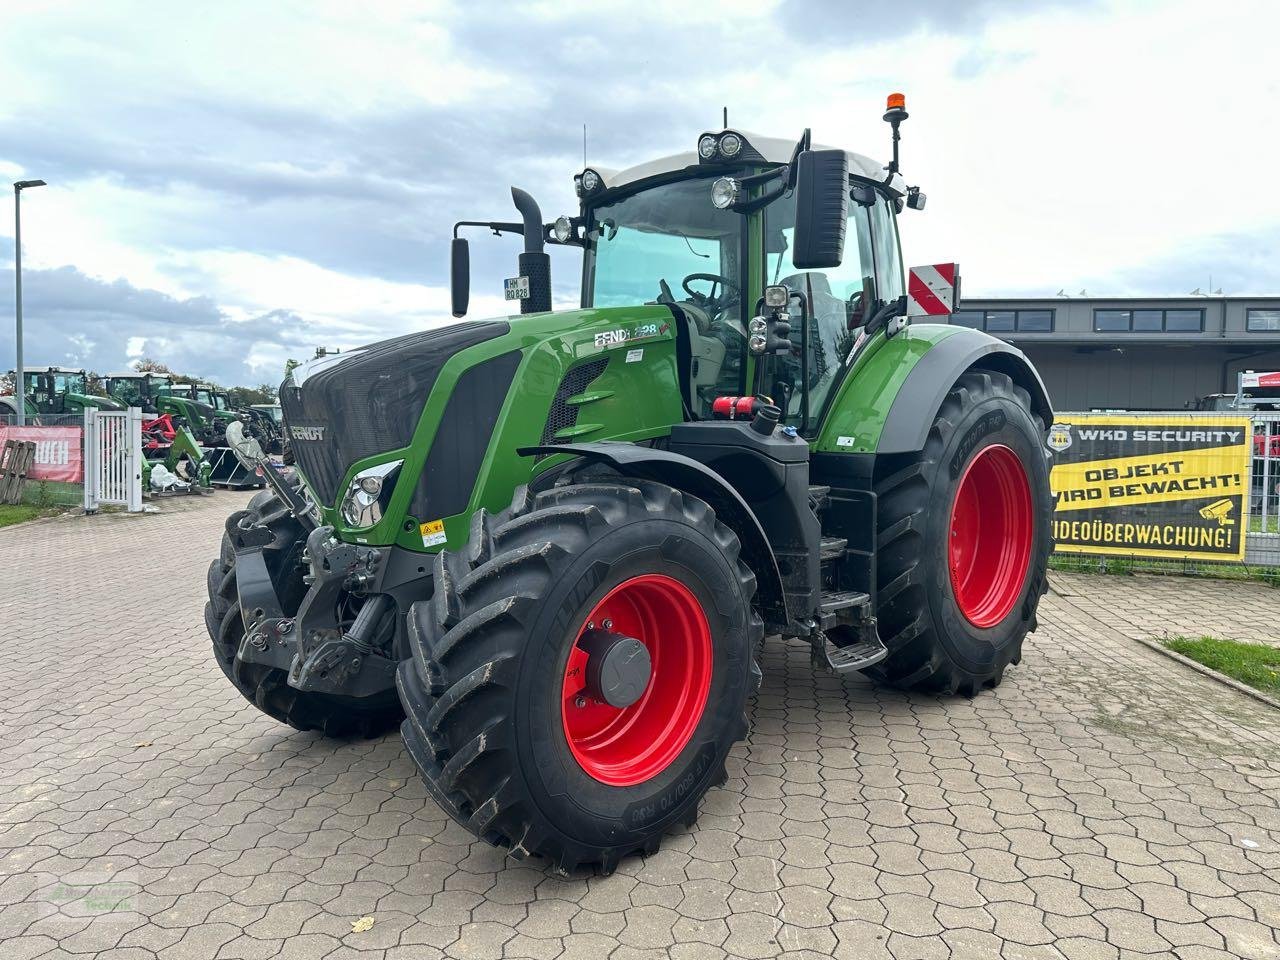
773 149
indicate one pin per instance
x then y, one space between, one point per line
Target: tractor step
832 548
818 494
844 606
850 609
854 657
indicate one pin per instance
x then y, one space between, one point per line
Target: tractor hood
89 400
343 407
434 419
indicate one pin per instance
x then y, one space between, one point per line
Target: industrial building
1134 353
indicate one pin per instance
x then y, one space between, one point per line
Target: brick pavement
1104 802
1148 605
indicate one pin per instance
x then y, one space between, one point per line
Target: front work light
562 229
724 193
776 296
707 147
368 495
590 181
730 145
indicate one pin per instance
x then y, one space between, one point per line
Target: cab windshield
202 396
668 244
56 383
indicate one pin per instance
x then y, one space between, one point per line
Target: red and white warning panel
1252 379
934 290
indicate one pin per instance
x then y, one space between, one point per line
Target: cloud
233 184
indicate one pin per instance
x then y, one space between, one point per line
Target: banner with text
1150 484
58 454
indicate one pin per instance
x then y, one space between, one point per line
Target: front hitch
312 648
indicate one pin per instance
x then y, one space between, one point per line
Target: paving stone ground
1104 802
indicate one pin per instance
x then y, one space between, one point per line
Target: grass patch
1255 664
11 513
1120 566
1271 526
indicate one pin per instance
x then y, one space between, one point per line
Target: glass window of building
1262 321
1148 320
1000 321
1107 321
1184 321
1035 321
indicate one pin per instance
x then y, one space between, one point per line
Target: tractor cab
695 230
60 391
135 389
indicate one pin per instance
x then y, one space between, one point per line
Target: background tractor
55 391
554 542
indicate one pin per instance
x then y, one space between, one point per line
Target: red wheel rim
623 747
991 530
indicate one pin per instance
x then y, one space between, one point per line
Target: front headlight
368 495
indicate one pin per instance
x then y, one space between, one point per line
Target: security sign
1151 485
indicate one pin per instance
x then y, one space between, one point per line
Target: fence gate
113 458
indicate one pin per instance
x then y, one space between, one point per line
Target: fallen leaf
361 925
144 743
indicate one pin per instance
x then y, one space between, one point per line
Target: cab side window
888 254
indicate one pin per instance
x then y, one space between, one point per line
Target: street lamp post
20 387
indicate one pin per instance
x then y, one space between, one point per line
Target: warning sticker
432 533
1152 485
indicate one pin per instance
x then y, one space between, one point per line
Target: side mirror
822 208
460 275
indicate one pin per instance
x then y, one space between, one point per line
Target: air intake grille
563 413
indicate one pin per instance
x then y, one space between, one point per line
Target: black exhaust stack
534 262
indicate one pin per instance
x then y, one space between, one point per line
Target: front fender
690 476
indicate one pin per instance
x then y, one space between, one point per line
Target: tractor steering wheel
723 292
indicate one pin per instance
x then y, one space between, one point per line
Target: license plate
517 288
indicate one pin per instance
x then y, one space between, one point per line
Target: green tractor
55 391
553 543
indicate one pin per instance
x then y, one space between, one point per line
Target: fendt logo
307 433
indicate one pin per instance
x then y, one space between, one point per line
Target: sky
234 184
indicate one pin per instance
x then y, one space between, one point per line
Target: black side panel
463 437
368 401
564 414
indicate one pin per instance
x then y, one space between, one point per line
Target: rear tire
266 687
492 692
963 541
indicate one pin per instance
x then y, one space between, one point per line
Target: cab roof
772 149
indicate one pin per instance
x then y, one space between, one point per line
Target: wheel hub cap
618 667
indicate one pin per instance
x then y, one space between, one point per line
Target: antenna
726 119
584 146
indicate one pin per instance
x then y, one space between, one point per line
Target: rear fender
910 418
690 476
888 401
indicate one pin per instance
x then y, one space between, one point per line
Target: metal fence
58 477
1262 540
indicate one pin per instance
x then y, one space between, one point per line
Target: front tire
502 720
963 541
266 687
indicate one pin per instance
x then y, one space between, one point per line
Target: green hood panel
625 359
